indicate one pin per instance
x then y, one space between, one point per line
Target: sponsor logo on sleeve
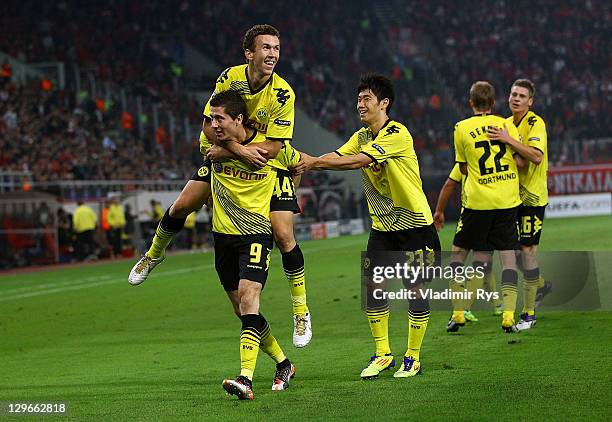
281 122
378 148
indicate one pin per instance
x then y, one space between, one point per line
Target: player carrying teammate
532 159
271 111
488 219
401 218
243 239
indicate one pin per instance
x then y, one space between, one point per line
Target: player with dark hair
243 238
401 218
270 105
531 154
488 219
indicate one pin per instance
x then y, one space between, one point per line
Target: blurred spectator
84 221
116 220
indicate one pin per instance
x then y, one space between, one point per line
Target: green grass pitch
159 351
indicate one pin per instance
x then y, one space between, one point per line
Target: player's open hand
254 156
306 163
499 134
438 220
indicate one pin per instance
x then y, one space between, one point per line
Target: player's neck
256 79
241 136
481 112
517 117
377 125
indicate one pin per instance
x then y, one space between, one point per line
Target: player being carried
531 154
488 218
242 232
401 218
271 111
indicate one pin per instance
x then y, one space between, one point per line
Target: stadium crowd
137 48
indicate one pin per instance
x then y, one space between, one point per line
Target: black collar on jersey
483 114
250 138
519 122
246 74
381 128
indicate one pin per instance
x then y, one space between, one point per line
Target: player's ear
530 101
248 55
384 103
239 119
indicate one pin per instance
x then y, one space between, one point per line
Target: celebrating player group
250 172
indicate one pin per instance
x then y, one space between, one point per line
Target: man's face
368 106
222 123
266 54
519 100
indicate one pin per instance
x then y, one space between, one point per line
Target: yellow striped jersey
533 178
492 179
241 195
271 107
392 183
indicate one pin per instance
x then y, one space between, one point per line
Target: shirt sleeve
537 137
459 151
288 156
392 142
282 116
455 174
222 84
350 147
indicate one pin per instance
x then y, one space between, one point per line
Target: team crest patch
262 114
366 263
203 171
217 167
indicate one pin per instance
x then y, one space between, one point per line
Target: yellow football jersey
392 183
271 107
456 176
492 179
241 195
533 178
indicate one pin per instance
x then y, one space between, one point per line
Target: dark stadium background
105 98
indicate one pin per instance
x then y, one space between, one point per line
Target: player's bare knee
284 239
181 209
248 296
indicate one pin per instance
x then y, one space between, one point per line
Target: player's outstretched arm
532 154
445 194
332 161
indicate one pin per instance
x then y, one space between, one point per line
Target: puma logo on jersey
392 129
223 77
282 95
531 121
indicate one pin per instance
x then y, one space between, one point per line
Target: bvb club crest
262 114
203 171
